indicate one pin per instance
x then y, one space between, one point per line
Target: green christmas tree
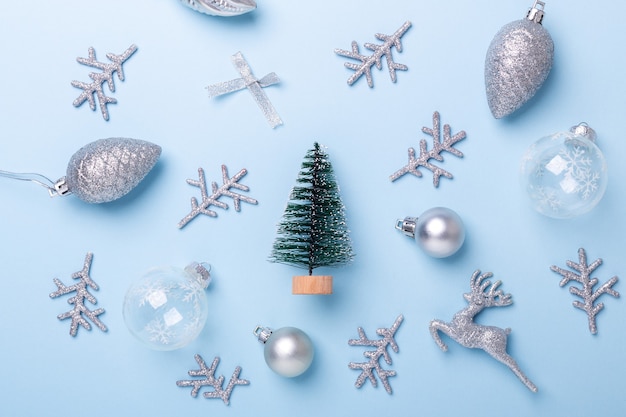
313 231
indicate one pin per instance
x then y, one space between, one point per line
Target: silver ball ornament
288 351
439 231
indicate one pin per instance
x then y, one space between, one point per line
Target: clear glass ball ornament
565 174
167 308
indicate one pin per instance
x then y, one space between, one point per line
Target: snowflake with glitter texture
372 366
95 87
212 199
80 313
378 52
425 155
586 290
217 384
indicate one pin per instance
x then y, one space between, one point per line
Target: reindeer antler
485 293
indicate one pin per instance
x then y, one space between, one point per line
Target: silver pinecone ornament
224 8
108 169
518 61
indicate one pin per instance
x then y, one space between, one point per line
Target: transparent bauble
167 308
565 174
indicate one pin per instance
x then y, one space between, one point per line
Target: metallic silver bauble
288 351
108 169
439 231
224 8
518 61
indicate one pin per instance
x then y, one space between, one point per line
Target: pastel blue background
367 132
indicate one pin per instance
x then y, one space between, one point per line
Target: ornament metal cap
201 272
584 130
59 188
262 333
535 14
407 226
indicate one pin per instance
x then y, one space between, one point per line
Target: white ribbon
253 85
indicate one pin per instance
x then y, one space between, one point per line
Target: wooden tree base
312 284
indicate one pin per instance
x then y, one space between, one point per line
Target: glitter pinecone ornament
518 62
101 171
108 169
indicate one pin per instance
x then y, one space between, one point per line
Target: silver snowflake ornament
80 314
210 380
378 52
372 367
212 199
425 155
95 87
586 290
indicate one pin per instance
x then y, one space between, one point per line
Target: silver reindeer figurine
491 339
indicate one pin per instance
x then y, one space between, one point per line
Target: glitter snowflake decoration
80 313
378 52
425 155
95 87
210 380
586 291
372 366
212 199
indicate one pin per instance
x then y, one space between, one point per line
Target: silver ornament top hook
201 272
262 333
407 226
54 188
583 129
535 13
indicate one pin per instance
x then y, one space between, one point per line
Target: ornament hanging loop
201 272
583 129
262 333
54 188
407 226
535 13
60 188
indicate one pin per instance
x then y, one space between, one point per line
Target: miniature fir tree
313 231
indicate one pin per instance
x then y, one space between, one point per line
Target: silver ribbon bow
254 85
